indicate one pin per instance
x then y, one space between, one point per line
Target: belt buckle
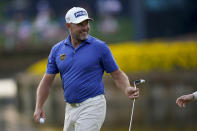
75 104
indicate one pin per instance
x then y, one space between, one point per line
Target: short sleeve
51 65
108 60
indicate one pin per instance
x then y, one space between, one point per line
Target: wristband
195 95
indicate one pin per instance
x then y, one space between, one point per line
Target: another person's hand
39 113
182 101
132 93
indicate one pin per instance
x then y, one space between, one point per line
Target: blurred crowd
20 32
46 27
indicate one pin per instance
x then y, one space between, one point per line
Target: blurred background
151 39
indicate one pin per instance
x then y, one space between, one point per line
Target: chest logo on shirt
62 57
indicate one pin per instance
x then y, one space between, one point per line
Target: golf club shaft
133 106
130 125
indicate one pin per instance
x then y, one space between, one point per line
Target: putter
136 82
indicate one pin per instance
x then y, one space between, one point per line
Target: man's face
80 31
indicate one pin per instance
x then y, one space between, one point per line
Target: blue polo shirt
81 69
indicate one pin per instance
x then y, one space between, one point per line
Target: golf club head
137 82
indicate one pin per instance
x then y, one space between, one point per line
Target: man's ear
67 25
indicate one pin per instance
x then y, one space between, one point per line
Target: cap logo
80 13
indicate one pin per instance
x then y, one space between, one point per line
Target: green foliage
124 31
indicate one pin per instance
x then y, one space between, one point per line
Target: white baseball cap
76 15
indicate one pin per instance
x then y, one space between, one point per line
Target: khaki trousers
86 116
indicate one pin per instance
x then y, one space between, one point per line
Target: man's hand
132 93
182 101
42 94
39 113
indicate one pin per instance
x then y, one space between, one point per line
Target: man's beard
82 38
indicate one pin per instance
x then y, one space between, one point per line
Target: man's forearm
43 90
42 94
121 80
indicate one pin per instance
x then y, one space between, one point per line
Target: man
81 60
182 101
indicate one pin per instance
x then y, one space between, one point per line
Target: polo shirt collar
67 41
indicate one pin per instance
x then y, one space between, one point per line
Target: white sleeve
195 95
